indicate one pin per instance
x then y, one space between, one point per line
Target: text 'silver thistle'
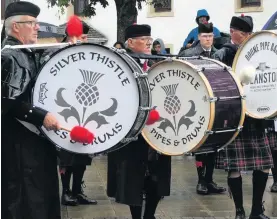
172 104
87 93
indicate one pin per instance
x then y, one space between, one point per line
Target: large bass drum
260 52
101 89
201 105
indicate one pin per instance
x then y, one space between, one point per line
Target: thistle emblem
87 93
172 104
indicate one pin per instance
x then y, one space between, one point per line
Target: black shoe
258 213
84 200
240 213
214 188
274 187
201 188
153 217
261 216
67 199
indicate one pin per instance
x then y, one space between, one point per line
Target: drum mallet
153 117
80 134
74 28
247 74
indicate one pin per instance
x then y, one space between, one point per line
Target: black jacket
128 166
197 51
226 54
29 171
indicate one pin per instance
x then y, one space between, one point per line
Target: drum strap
31 127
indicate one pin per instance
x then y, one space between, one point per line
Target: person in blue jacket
202 17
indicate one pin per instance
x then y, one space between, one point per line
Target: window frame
255 3
239 8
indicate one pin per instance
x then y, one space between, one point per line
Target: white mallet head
247 75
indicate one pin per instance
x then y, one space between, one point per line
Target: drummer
29 176
73 164
204 46
205 163
137 168
250 150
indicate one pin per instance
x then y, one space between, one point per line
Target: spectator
202 17
119 45
158 47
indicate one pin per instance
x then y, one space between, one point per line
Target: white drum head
260 52
182 98
90 86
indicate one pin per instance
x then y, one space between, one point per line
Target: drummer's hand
51 123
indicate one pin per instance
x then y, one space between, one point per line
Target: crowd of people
29 161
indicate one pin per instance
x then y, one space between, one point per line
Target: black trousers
152 199
205 164
78 172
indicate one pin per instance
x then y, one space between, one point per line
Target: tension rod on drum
214 99
203 152
222 131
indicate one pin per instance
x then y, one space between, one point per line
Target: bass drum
201 106
95 87
259 51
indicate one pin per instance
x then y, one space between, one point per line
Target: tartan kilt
272 138
247 152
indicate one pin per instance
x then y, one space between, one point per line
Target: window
4 4
250 3
163 6
245 6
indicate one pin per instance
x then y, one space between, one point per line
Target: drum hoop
150 97
212 109
42 66
115 147
252 115
243 102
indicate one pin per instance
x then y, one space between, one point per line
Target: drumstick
80 134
